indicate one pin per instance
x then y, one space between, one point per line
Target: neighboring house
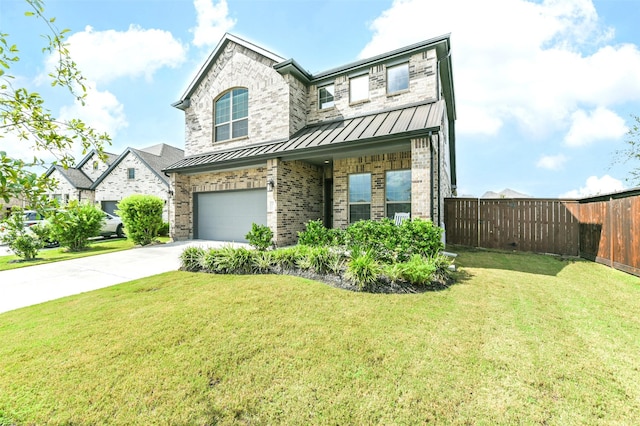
74 183
135 171
270 143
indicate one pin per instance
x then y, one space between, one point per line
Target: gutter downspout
432 174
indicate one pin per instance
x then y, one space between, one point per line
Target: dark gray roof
76 177
402 123
156 157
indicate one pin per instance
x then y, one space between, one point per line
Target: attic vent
425 55
378 68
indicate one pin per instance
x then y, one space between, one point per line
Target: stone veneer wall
423 86
269 98
185 187
117 185
297 197
377 165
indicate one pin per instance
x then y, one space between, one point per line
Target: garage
227 216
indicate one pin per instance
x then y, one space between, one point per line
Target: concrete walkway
39 283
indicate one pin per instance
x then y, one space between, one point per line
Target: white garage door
227 216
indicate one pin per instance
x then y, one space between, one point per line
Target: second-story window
231 115
359 88
325 96
398 78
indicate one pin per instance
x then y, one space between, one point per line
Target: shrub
75 224
419 236
260 237
286 258
315 234
263 261
163 231
417 271
191 259
23 242
363 269
142 217
378 237
229 260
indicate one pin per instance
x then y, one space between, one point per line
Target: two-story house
270 143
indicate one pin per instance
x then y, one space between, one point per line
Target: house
74 183
267 142
135 171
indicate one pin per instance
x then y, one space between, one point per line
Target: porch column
180 214
421 178
272 197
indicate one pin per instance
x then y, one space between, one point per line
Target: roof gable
201 74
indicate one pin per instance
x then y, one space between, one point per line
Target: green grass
521 339
99 246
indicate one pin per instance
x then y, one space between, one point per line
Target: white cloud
213 22
103 56
595 186
600 124
536 68
102 111
551 162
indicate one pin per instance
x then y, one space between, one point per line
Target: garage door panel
227 216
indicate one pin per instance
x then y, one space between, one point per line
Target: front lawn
98 246
521 339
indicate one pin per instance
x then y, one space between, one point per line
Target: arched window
230 113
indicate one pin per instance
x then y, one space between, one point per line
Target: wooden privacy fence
604 229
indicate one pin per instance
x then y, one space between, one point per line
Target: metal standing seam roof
382 125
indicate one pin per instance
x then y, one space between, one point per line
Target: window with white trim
398 78
325 96
359 88
231 112
397 192
359 197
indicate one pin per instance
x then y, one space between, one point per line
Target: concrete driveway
39 283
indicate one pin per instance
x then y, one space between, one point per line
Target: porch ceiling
338 138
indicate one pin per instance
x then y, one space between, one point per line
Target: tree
632 150
23 115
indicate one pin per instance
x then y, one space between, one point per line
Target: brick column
421 205
272 197
180 214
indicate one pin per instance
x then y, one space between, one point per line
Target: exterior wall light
270 185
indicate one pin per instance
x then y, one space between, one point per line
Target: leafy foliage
260 237
363 269
23 242
632 150
24 116
192 258
315 234
75 224
141 216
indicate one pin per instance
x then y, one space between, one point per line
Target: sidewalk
39 283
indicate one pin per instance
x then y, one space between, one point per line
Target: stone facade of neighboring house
267 142
135 171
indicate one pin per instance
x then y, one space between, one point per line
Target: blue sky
544 89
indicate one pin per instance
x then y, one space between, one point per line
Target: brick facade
117 185
282 101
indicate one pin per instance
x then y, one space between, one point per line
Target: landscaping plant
142 217
75 224
260 237
23 242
